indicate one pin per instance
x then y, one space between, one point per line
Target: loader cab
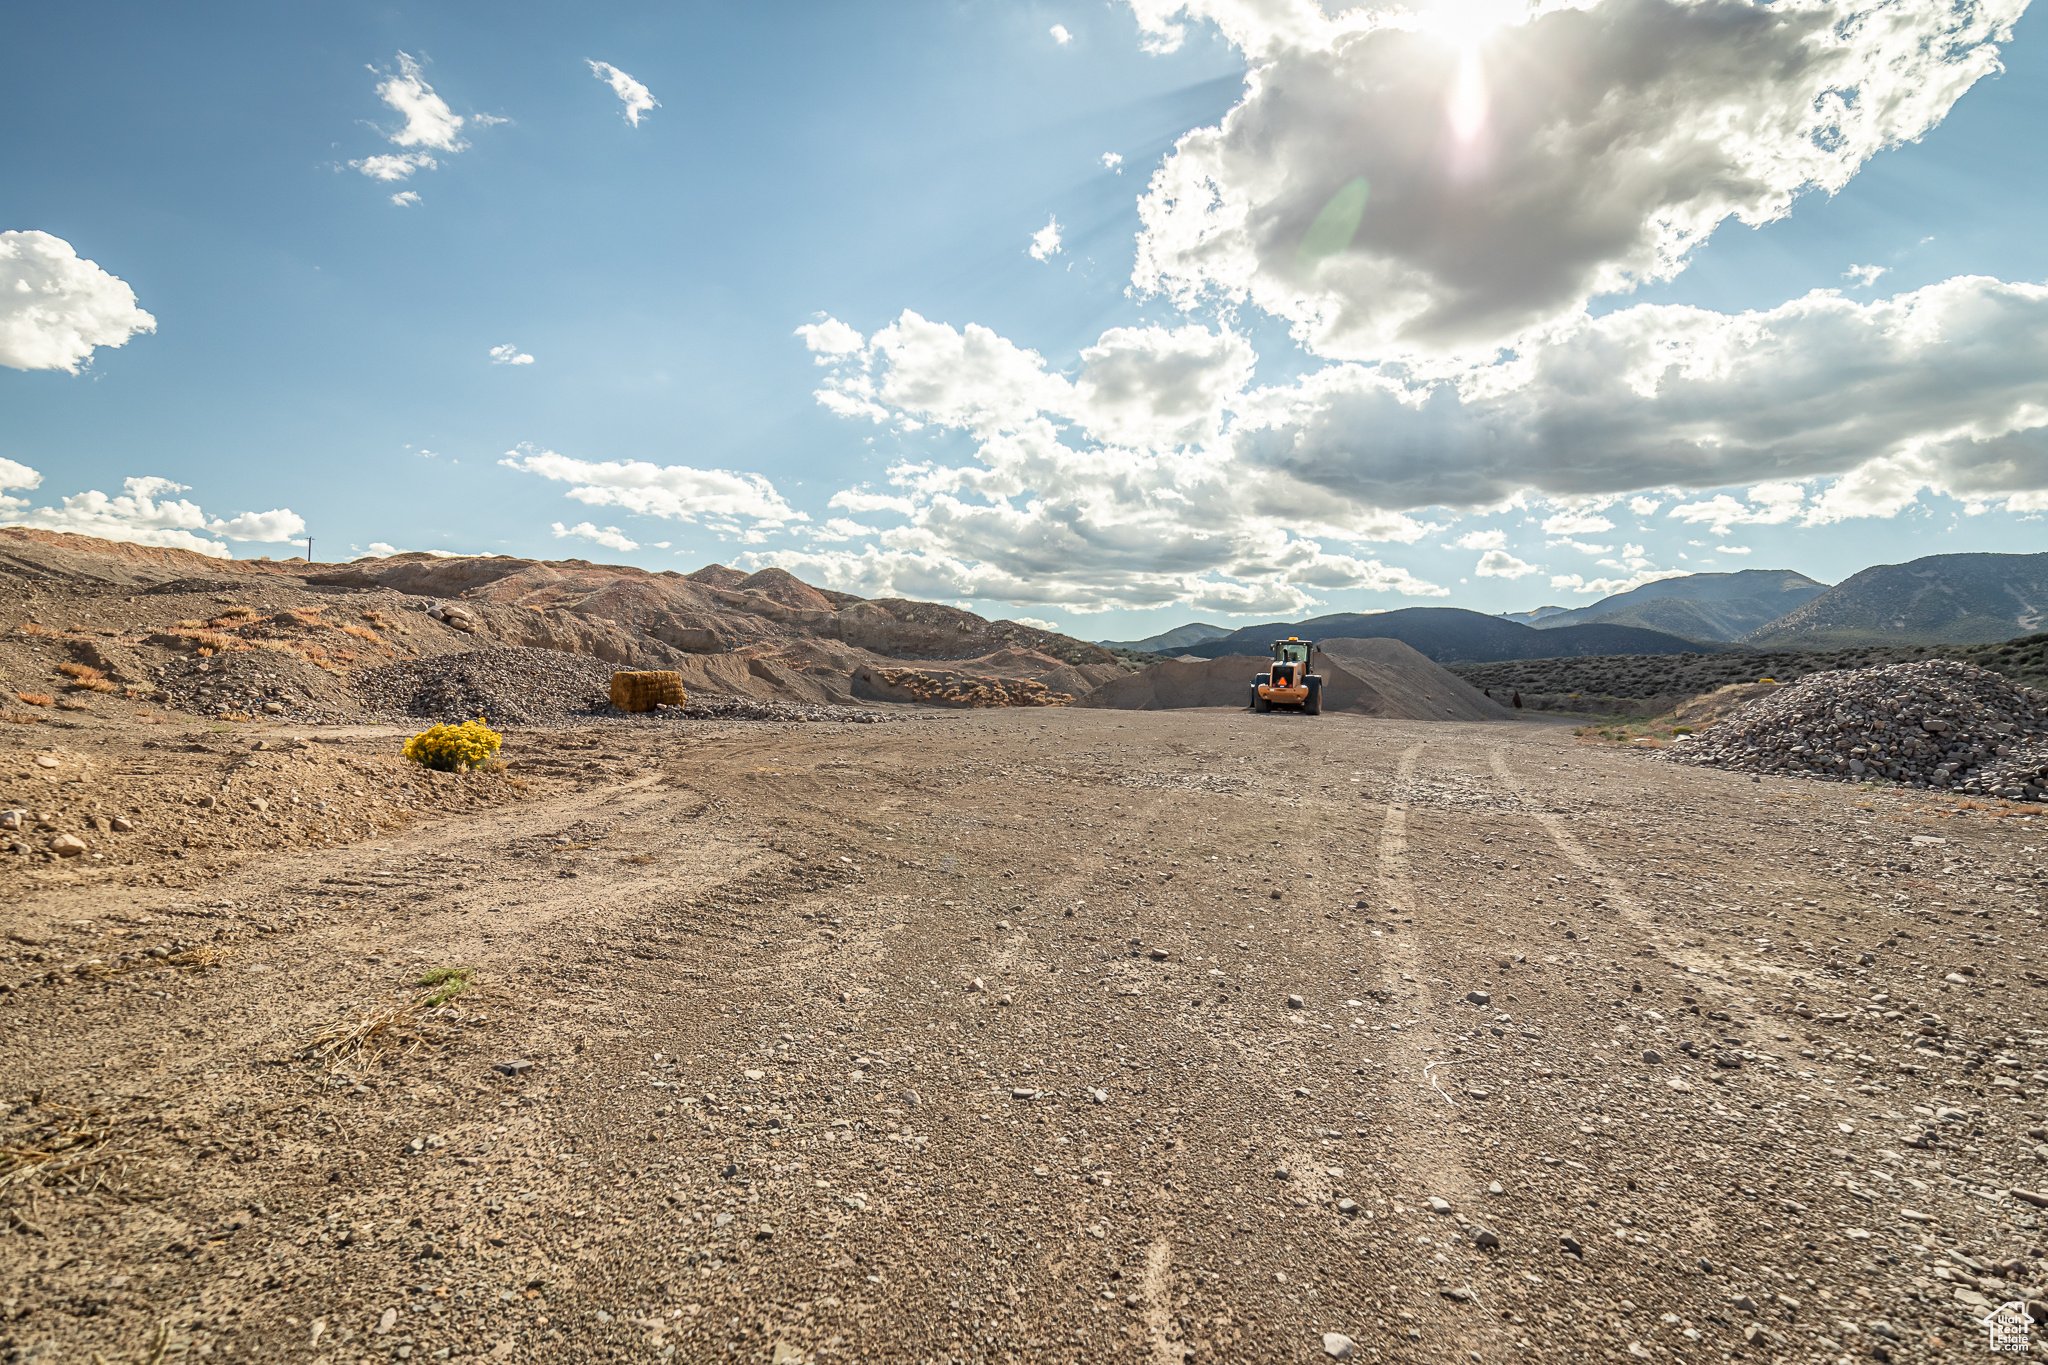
1287 681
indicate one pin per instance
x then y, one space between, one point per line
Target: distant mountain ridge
1530 618
1960 599
1454 635
1701 606
1169 642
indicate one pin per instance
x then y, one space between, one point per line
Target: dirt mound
1361 677
1934 724
1407 683
1711 708
151 620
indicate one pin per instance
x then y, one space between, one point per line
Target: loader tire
1313 704
1259 703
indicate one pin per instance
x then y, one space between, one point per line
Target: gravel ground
1935 724
545 687
1053 1035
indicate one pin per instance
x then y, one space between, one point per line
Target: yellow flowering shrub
454 748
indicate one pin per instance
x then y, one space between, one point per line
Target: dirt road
1055 1035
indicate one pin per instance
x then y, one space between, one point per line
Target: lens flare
1336 225
1466 107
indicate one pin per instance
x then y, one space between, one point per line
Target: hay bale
645 691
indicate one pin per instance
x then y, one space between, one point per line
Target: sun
1465 24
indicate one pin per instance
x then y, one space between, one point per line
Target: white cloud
16 475
395 166
1036 624
1770 504
142 515
1652 123
1574 522
631 93
677 492
611 537
837 529
509 354
1060 35
1643 507
1943 388
1045 243
830 337
276 526
1607 587
1151 509
1731 549
1583 547
429 122
1865 275
1501 564
1480 540
1113 161
55 308
860 500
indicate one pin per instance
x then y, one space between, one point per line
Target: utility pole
309 549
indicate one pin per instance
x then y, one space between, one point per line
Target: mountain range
1701 606
1453 635
1967 599
1961 599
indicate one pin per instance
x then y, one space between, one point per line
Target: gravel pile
506 686
1938 724
544 687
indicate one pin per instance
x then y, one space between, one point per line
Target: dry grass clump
240 613
86 678
62 1145
33 698
189 625
379 619
31 628
71 704
363 633
20 718
339 1045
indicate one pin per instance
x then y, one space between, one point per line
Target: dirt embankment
1363 677
234 639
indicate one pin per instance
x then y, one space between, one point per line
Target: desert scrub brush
454 748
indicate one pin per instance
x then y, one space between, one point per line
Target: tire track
1425 1113
1665 944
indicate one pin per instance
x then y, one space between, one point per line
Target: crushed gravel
1938 724
537 688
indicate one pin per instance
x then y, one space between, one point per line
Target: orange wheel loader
1287 681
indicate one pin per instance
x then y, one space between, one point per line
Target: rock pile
1938 724
523 687
508 686
943 689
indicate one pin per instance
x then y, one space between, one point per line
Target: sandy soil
1046 1035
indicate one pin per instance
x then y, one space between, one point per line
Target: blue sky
1133 438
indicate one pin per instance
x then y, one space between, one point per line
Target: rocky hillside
1942 599
1701 606
220 635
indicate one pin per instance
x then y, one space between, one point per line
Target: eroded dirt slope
1053 1036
